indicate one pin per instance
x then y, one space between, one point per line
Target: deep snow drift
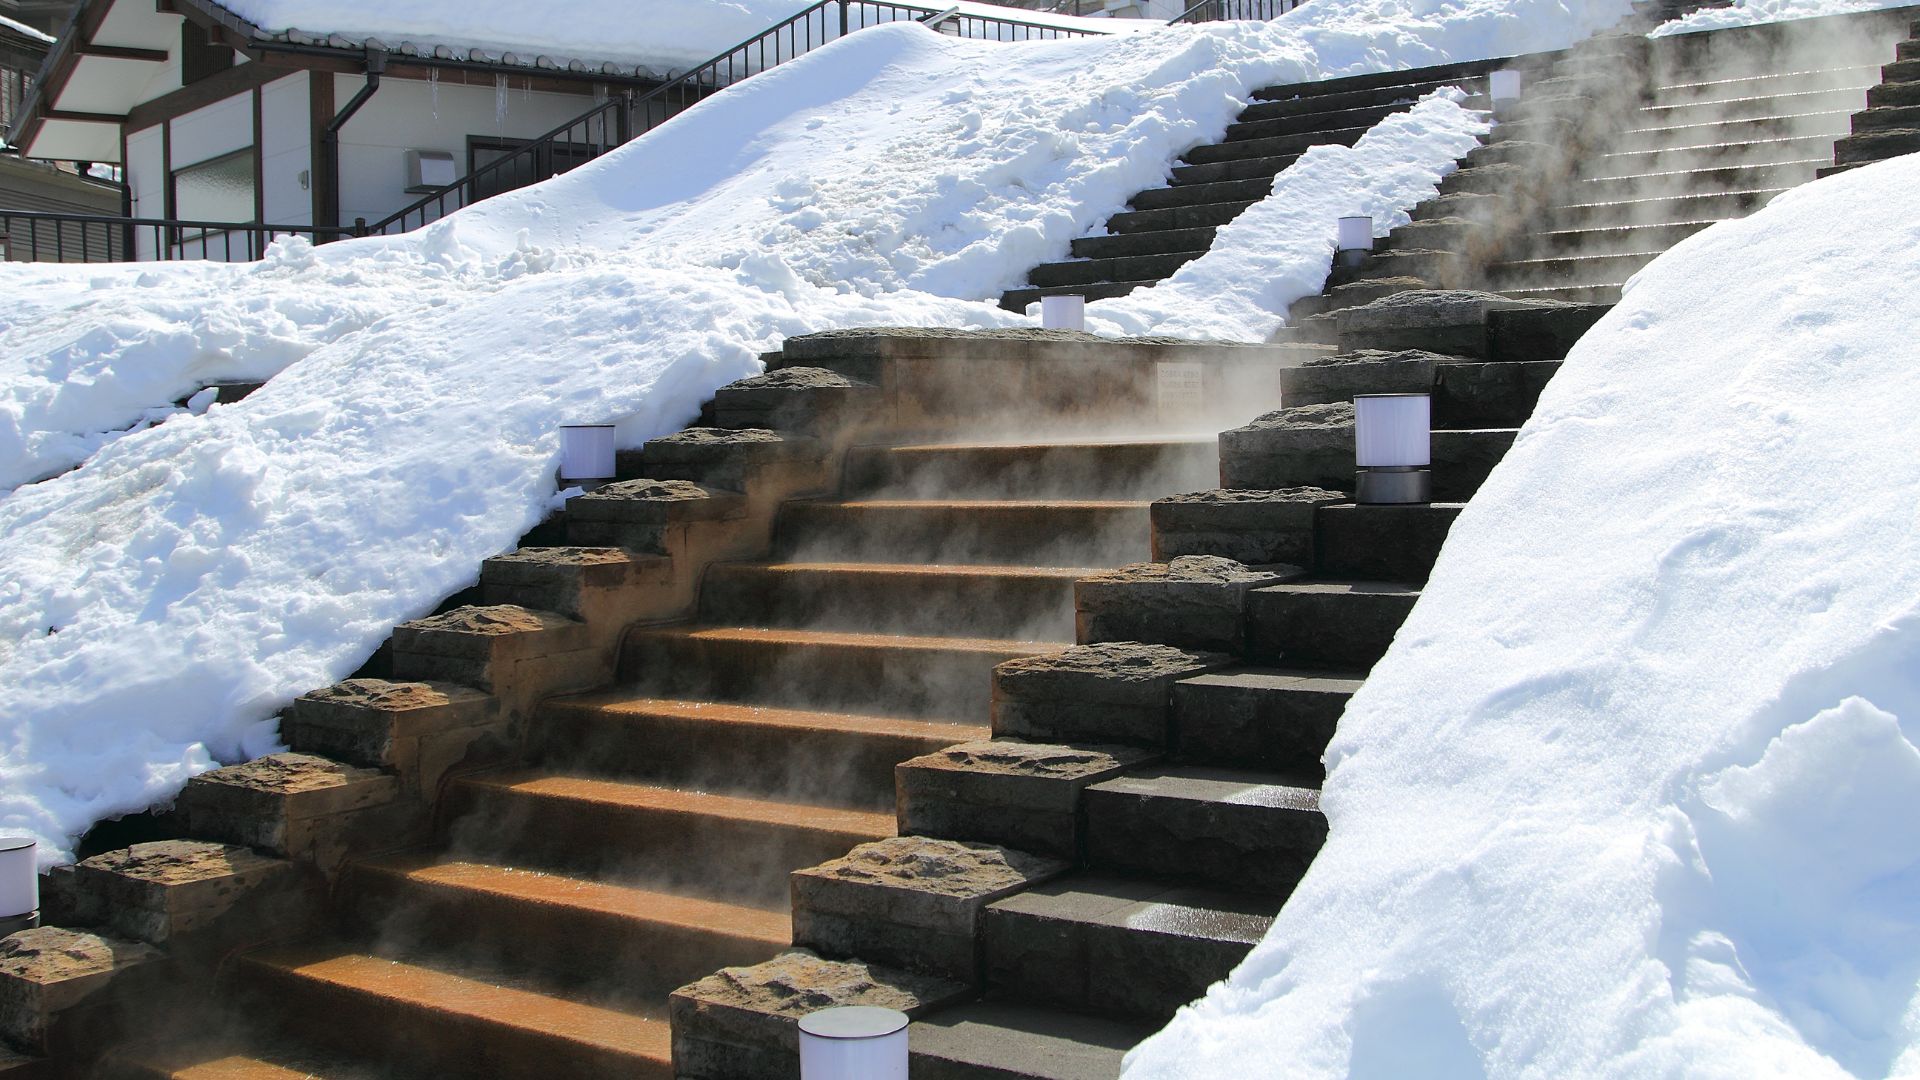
1755 12
1633 794
166 598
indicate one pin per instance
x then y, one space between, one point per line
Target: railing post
623 118
843 18
359 226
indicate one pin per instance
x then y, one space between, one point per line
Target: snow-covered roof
24 30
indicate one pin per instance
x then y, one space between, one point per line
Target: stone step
1331 625
1891 116
875 674
1021 299
1200 216
1266 458
1231 828
1571 294
822 758
1907 50
1891 94
1593 242
1901 71
1745 129
1121 245
1877 145
1381 543
1467 394
1123 268
1564 271
411 1015
1026 603
1009 1040
1006 532
1704 156
1277 102
201 1058
657 836
1271 146
1363 117
1215 172
1768 84
1713 206
1119 946
1839 99
1253 717
1204 194
1092 468
570 931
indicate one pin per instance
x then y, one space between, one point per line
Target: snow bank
163 600
1633 792
1755 12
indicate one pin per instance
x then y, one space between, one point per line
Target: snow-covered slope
1755 12
162 601
1634 792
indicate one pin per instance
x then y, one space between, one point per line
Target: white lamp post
1503 87
586 454
1355 240
19 885
1063 313
1393 446
853 1042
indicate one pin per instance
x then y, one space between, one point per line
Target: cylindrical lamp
853 1042
1355 240
586 453
1503 87
1063 313
19 884
1393 447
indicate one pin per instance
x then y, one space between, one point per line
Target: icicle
499 99
433 88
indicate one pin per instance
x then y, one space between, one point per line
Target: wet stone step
1119 946
1250 831
1098 532
822 758
650 836
1009 1040
1363 117
1381 543
1571 294
1202 216
1681 91
1335 625
1714 156
1666 182
1021 299
1717 206
1142 243
1284 101
447 1023
1113 469
1259 168
1840 99
1027 603
945 678
1568 270
1204 194
572 931
1124 268
1589 242
1271 146
1272 718
1745 129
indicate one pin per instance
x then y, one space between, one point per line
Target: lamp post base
1393 486
15 924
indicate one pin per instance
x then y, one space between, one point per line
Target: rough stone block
297 805
1488 395
1024 795
1529 155
380 723
1193 601
1440 268
639 515
51 970
1452 322
1254 527
1337 379
163 891
1350 295
1303 446
804 399
1876 145
1534 334
734 458
577 582
1458 235
1114 692
486 647
910 901
743 1023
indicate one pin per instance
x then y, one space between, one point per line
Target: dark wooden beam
83 117
121 52
234 81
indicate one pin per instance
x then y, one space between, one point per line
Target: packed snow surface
1755 12
166 598
1633 793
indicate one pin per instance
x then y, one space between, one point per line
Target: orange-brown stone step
571 930
195 1060
883 674
1081 468
443 1023
694 842
833 758
1021 602
1036 532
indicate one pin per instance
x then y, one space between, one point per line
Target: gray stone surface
1007 1040
163 891
1337 379
568 580
743 1023
910 902
1258 527
1304 446
484 646
1342 625
731 459
1233 829
1259 718
1452 322
804 399
50 970
1109 692
637 514
1462 460
1488 395
1383 543
1539 334
369 721
1495 178
296 805
1024 795
1191 601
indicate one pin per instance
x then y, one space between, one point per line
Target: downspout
328 170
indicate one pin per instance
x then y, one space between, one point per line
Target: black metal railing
1235 11
40 236
621 119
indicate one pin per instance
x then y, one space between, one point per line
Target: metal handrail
626 117
50 236
1235 11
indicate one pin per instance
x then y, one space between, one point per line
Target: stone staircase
1165 228
1890 124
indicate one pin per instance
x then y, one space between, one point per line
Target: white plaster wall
286 150
207 133
412 114
146 175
